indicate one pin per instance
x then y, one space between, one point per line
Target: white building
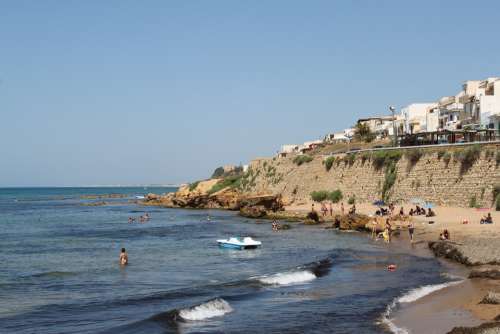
382 126
415 117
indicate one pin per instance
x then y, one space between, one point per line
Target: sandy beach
455 305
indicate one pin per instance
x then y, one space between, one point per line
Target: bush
473 202
497 203
329 163
441 153
335 196
385 158
322 195
300 159
230 181
365 156
349 159
218 172
498 158
192 186
413 155
351 200
447 158
319 196
389 180
467 157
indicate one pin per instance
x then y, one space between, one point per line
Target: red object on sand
391 267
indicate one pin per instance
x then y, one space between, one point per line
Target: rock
313 216
258 211
491 298
487 328
471 252
488 273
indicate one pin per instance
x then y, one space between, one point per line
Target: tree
362 132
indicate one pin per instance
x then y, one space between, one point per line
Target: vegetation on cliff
467 157
323 195
228 182
300 159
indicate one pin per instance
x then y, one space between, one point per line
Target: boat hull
233 246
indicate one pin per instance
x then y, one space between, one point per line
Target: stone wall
430 178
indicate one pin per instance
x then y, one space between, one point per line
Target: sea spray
213 308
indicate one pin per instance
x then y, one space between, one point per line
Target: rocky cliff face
436 177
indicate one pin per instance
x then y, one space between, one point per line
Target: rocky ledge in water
471 252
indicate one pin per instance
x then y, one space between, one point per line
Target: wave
213 308
288 278
54 274
410 297
416 294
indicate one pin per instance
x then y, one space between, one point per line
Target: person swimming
123 257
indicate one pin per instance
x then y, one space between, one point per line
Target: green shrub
496 190
335 196
300 159
385 158
473 202
413 155
218 172
498 158
351 200
488 154
349 159
329 163
467 157
497 203
389 180
447 158
441 153
322 195
319 196
192 186
364 157
230 181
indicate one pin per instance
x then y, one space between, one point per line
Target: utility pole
392 109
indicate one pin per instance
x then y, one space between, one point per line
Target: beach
457 304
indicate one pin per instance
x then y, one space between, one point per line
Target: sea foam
210 309
410 297
288 278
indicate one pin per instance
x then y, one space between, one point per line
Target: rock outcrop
488 328
471 252
491 298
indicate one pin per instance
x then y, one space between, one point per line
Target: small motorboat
239 243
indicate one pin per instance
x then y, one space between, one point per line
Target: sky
156 92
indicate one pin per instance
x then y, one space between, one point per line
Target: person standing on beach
388 228
123 257
411 229
342 207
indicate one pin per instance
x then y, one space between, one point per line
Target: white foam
409 297
211 309
416 294
288 278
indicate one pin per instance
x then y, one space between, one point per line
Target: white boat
139 197
239 243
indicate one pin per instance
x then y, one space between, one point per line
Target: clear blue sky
128 92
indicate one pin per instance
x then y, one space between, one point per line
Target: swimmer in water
123 257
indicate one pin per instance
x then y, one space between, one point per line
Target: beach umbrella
379 202
417 201
428 205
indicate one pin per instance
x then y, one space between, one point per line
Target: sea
59 270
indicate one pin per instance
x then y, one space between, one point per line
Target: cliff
452 176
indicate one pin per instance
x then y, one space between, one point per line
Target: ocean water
59 271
